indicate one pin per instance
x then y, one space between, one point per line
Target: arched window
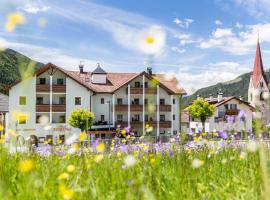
261 84
261 96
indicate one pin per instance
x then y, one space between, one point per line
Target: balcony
137 90
55 88
139 124
139 108
232 112
46 108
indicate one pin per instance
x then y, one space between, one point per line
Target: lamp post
109 103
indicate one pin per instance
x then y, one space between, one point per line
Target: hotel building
116 99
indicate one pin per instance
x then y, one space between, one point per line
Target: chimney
241 98
219 97
211 97
149 71
81 67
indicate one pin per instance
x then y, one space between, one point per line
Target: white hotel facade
116 99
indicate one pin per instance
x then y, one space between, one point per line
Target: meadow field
138 170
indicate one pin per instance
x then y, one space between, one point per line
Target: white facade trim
128 105
143 97
172 115
158 111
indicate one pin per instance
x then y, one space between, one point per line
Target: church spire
258 71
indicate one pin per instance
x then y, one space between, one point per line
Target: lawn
136 170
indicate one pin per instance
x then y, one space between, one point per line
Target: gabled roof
258 71
3 103
224 100
115 81
99 70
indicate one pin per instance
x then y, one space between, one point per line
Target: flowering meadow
133 168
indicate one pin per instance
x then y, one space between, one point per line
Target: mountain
236 87
15 66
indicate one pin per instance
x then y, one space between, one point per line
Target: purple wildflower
223 135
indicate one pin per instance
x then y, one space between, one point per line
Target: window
102 101
22 119
42 81
119 101
233 106
78 100
162 101
62 119
102 118
261 84
39 100
136 101
60 81
62 100
119 118
173 101
22 100
221 113
137 84
162 118
146 118
145 101
173 117
226 106
261 97
146 84
37 119
136 118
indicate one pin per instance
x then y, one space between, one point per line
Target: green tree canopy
81 118
202 110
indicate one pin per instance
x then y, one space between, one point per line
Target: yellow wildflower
65 192
1 127
83 136
197 139
13 20
70 168
63 176
203 134
76 147
123 132
100 147
98 158
149 39
26 165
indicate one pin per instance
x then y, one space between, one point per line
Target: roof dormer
99 76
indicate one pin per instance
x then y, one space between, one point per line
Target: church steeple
258 71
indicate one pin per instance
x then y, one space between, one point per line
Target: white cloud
185 39
34 6
215 73
239 25
218 22
238 43
177 50
257 8
45 55
222 32
185 23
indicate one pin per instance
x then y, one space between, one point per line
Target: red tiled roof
258 71
114 80
217 103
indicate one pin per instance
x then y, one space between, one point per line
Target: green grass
154 176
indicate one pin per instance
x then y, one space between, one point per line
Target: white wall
74 89
101 109
25 88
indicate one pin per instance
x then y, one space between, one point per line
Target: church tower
258 91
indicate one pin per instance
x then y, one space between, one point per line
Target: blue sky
206 41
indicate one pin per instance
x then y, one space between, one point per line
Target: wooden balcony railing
55 88
139 124
46 108
139 108
135 90
232 112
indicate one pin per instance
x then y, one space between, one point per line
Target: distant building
3 113
258 91
116 99
232 114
